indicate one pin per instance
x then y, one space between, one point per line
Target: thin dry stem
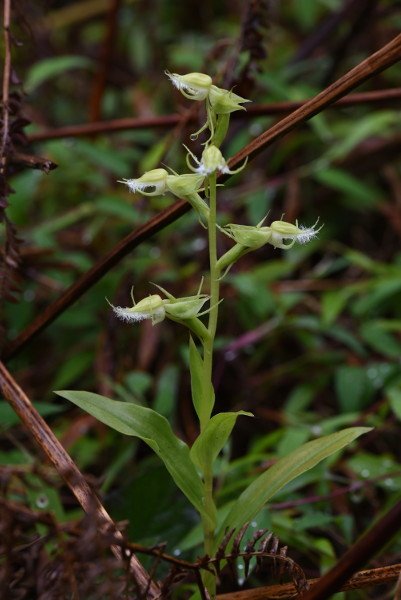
371 577
6 83
167 121
66 467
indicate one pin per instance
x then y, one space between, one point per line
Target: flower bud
194 86
224 102
155 180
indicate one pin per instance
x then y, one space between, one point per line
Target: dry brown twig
168 121
361 579
66 468
6 83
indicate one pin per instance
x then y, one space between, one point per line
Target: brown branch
6 84
104 63
34 162
164 122
371 66
65 466
287 590
374 64
105 127
367 546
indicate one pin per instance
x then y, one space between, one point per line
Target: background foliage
309 339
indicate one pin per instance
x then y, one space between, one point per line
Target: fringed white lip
130 315
134 185
308 234
202 170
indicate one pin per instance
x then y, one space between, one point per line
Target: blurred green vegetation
309 339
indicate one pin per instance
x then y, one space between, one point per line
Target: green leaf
394 396
152 428
348 184
202 391
154 155
351 383
333 303
51 67
9 417
103 157
374 333
381 291
374 124
116 206
166 392
210 442
372 466
262 489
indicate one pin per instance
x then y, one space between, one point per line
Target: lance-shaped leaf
255 496
212 439
153 429
202 390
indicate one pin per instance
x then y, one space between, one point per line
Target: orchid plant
193 468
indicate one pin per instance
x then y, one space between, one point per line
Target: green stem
221 129
230 257
214 282
208 343
195 325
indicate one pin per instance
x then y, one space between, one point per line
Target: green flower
151 183
198 86
275 234
158 181
281 230
195 86
152 307
212 160
156 308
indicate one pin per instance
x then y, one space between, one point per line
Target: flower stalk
188 310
